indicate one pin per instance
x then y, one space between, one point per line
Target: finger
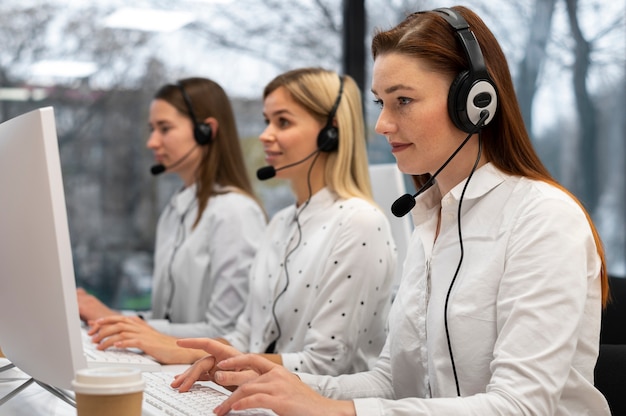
106 331
93 328
129 343
200 370
111 319
247 361
207 344
234 378
239 401
109 342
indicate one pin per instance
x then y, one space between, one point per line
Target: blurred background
99 62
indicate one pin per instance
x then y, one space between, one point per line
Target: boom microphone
160 168
267 172
406 202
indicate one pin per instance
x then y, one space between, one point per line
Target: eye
378 102
283 123
404 101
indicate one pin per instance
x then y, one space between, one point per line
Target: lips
398 147
270 155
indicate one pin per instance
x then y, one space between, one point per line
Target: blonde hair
316 90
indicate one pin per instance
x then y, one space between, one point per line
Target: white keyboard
159 399
116 357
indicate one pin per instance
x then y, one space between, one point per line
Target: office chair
610 371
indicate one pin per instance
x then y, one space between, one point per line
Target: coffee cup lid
108 380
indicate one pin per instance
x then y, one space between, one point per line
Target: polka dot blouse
333 260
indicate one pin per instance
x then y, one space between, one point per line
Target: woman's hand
275 388
90 308
204 368
133 332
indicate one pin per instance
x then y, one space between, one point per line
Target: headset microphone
160 168
406 202
267 172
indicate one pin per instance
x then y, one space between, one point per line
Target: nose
267 135
154 140
384 124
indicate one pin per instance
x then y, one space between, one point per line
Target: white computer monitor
39 322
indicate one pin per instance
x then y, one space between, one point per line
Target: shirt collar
182 201
484 179
322 199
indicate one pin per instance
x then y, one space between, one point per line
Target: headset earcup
328 139
203 133
457 99
468 98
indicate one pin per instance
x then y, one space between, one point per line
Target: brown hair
506 143
222 159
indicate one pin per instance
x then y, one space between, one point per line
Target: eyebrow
278 113
395 88
158 123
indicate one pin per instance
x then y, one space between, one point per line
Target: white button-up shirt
200 279
523 313
336 264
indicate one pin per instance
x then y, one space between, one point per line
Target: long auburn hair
506 143
222 160
316 89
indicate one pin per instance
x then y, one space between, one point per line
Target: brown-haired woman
498 311
209 232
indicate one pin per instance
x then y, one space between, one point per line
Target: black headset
473 90
328 137
202 132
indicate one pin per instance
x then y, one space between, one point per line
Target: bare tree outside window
567 56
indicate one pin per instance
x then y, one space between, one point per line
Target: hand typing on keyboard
116 356
160 399
133 332
261 383
204 368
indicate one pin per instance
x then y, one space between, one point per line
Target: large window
98 64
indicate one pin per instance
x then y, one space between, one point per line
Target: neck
306 185
459 168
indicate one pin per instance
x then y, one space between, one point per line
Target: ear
212 121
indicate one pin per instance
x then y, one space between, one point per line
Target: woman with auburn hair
498 311
321 281
209 232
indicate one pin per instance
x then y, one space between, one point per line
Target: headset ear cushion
457 102
468 98
203 133
328 139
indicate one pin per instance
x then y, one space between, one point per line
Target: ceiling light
22 94
63 69
150 20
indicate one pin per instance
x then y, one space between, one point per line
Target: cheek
301 141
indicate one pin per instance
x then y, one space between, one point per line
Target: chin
407 167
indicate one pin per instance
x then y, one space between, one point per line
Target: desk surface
35 400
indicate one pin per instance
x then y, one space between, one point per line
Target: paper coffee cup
108 391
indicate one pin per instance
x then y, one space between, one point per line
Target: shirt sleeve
368 384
